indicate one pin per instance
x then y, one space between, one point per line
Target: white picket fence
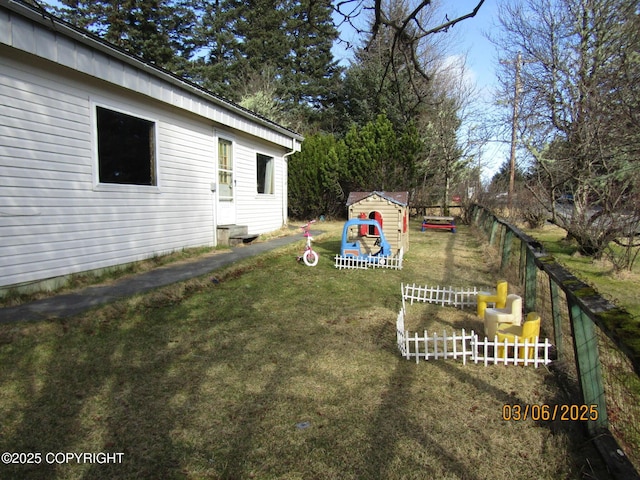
394 262
455 297
467 346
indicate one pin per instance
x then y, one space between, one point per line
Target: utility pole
514 129
514 126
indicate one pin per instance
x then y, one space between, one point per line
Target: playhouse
390 209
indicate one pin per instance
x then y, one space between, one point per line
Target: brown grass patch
279 371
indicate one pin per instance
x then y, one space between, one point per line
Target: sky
482 57
468 38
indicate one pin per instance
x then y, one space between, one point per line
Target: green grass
619 287
622 385
280 371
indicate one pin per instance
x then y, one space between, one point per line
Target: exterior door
226 209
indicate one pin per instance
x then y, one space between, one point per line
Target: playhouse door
226 202
373 230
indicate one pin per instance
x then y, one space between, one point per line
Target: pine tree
217 68
313 74
159 31
291 41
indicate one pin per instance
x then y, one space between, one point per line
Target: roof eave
50 21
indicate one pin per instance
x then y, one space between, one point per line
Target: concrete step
237 233
238 239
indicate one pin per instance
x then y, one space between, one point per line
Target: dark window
373 230
126 152
264 174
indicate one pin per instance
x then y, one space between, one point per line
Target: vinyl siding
261 213
54 218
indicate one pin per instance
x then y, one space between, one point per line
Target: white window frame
271 165
232 143
123 187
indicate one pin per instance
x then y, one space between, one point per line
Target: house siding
54 218
262 213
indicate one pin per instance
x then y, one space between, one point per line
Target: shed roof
401 198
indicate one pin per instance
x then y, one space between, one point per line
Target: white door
226 209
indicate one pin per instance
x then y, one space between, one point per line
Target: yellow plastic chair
511 314
529 330
499 298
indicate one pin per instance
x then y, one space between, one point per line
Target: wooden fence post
506 249
522 266
556 314
494 227
530 281
585 344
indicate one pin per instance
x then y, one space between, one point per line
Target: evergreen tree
371 157
382 79
377 157
159 31
217 69
294 38
314 74
315 174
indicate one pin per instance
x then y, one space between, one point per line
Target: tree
159 31
448 150
414 82
409 26
315 175
291 39
577 114
371 157
500 180
379 158
216 66
387 75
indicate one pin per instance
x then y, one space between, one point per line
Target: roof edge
48 20
355 197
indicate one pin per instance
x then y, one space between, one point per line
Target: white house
106 159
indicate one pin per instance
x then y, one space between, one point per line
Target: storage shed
391 209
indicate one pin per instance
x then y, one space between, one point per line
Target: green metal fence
588 333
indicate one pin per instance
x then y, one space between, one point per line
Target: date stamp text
545 412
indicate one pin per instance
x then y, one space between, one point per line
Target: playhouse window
126 148
373 231
265 174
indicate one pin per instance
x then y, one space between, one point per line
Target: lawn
270 369
619 287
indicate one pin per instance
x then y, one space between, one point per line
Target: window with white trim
265 173
126 148
225 169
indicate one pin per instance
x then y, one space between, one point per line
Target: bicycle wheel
310 258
